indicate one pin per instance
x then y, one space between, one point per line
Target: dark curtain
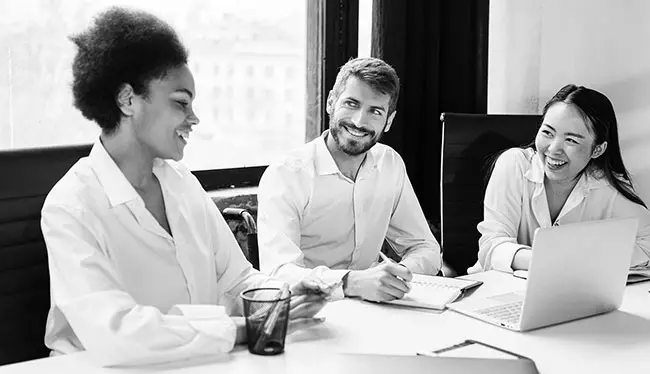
439 50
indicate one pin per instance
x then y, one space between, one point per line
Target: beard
353 147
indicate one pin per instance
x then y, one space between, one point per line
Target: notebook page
430 293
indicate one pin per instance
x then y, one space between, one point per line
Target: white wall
538 46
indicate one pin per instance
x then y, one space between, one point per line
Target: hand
521 261
384 282
308 297
306 301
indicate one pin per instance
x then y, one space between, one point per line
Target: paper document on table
433 292
638 274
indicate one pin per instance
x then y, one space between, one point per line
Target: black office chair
29 174
470 143
244 224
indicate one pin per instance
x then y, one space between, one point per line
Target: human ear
329 108
125 100
389 121
599 150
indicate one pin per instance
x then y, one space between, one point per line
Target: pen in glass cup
266 329
263 311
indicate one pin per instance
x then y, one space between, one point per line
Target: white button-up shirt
311 215
516 205
121 286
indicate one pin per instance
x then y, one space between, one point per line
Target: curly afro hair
122 46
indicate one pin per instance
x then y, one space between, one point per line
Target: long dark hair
599 112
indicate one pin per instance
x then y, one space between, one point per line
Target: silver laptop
576 271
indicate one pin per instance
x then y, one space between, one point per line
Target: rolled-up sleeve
108 322
408 231
502 212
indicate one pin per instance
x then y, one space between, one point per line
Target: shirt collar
325 163
118 189
588 181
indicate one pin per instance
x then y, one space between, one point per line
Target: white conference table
614 342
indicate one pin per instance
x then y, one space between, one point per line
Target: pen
523 274
387 259
328 288
266 329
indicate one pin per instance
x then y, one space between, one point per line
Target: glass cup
267 317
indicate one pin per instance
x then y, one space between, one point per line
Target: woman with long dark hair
573 172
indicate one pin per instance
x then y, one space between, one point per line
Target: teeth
185 134
355 132
553 162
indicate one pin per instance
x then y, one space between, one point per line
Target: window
365 27
232 45
290 73
268 71
36 55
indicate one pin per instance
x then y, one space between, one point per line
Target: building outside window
242 38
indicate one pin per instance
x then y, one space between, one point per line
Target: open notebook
433 292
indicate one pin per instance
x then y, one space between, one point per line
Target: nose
359 118
556 146
192 119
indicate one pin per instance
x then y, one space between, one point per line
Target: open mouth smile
555 164
355 132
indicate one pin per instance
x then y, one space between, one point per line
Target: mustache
349 124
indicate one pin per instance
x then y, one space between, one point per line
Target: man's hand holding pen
384 282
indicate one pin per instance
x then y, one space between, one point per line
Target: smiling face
565 143
165 117
358 117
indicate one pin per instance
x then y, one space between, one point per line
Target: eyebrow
185 90
566 133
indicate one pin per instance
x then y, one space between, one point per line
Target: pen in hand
388 260
385 258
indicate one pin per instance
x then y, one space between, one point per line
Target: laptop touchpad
506 297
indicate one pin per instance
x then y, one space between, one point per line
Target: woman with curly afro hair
143 267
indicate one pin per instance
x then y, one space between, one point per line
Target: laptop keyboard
509 313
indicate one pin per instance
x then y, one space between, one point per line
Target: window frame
332 39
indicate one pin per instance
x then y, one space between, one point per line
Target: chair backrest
244 223
29 174
470 143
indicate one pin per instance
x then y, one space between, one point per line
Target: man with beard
330 204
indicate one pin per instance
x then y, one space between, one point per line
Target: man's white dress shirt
311 215
516 205
121 286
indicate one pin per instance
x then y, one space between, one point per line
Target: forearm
521 259
423 259
497 244
351 283
117 334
